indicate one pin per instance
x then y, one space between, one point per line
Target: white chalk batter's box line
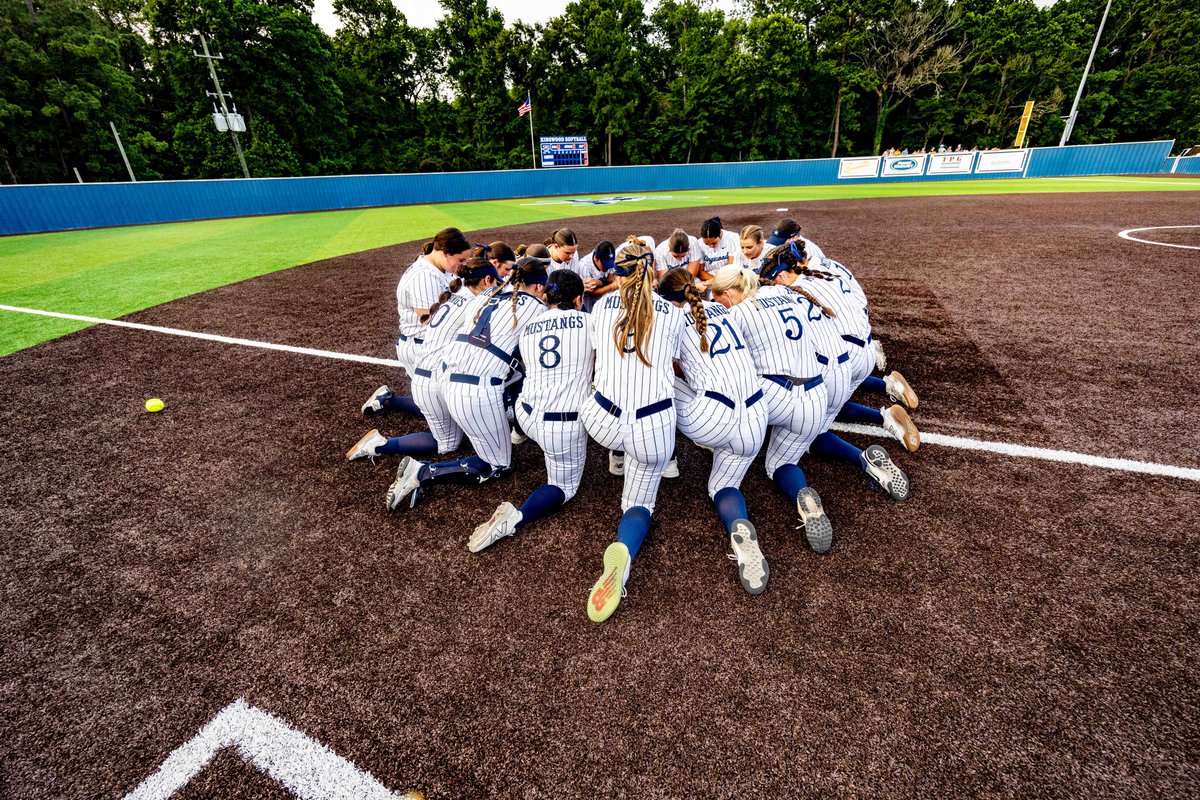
1001 448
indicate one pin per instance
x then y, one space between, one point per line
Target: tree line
669 82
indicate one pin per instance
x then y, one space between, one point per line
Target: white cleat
884 473
616 463
752 565
367 447
899 390
374 404
880 356
503 523
672 470
818 530
518 437
406 486
899 424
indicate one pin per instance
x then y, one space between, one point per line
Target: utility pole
1075 106
220 95
120 147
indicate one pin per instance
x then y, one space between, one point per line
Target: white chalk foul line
208 337
1128 234
1003 448
307 768
1042 453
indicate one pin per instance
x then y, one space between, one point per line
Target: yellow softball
154 404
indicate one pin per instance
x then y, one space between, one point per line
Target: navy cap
606 254
781 234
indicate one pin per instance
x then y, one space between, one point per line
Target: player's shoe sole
753 571
900 391
406 486
374 404
502 523
367 446
884 473
672 470
899 424
607 592
616 464
818 530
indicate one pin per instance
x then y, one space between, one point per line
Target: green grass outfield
111 272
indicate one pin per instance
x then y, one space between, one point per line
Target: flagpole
532 149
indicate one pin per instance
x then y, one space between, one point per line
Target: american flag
525 107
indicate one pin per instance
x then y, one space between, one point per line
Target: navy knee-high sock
471 471
632 530
853 412
544 501
414 444
402 402
790 480
873 384
829 446
731 506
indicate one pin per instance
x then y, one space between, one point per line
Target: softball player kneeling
473 374
636 337
557 351
720 406
781 345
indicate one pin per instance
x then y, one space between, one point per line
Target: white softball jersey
419 287
851 323
720 402
557 351
740 259
633 408
713 258
426 387
648 241
664 259
476 365
588 269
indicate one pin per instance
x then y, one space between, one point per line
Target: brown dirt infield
1018 628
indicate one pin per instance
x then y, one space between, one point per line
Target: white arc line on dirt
1042 453
1003 448
1127 234
307 768
208 337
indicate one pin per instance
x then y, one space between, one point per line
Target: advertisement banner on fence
859 167
1001 161
904 165
951 163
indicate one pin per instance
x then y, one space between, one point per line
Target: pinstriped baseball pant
648 443
796 417
479 411
734 434
564 445
427 392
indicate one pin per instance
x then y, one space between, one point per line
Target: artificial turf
111 272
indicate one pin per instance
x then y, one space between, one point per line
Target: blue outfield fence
68 206
1184 166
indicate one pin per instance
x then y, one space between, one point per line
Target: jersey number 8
550 357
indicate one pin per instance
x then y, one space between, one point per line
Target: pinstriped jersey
588 269
713 258
485 346
851 317
574 263
846 280
443 327
664 259
777 332
813 251
420 287
620 374
740 259
727 367
557 351
823 330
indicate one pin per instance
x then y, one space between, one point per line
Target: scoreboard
564 151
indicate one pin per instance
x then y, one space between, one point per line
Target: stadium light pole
1083 80
220 95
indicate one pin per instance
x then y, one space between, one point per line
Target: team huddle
736 340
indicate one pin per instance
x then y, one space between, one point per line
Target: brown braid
680 279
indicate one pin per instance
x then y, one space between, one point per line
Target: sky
424 13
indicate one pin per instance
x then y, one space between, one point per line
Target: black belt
474 380
404 338
644 411
553 416
855 340
422 373
789 384
720 398
843 358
